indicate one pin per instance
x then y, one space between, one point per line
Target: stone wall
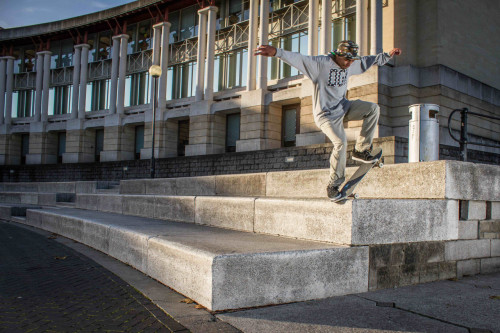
294 158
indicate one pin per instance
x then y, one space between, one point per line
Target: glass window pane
170 83
52 98
128 90
144 36
104 45
29 59
188 21
235 11
232 131
338 32
88 97
351 27
304 47
131 32
92 50
244 68
67 53
173 18
15 103
290 123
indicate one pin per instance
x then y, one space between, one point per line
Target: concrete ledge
467 249
226 212
220 269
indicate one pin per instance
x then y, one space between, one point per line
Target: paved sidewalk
46 286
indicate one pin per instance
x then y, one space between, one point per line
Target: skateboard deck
347 190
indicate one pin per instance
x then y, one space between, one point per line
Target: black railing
464 136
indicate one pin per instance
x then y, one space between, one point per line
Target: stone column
209 86
361 24
39 86
200 55
252 43
122 72
115 62
313 28
76 81
84 67
162 84
9 90
326 26
3 72
263 40
46 85
375 26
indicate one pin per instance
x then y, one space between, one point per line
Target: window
61 146
137 88
232 131
25 145
173 18
343 28
97 95
60 99
290 125
188 26
25 59
23 103
139 141
144 36
99 144
181 80
230 70
104 46
182 137
132 37
296 42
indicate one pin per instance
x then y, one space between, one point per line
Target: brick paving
46 286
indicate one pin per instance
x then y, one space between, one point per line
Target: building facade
78 90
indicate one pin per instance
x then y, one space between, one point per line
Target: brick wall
294 158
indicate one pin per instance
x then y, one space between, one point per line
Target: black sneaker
364 156
333 192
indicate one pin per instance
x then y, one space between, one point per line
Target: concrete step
358 222
218 268
426 180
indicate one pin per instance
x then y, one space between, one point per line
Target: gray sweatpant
334 130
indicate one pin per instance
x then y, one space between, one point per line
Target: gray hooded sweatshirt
329 80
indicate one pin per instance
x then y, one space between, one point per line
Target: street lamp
155 72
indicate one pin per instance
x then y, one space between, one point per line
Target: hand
395 51
265 50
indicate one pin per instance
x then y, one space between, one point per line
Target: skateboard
347 191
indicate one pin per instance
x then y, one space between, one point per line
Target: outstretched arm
306 64
379 60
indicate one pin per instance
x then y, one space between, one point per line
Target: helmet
348 49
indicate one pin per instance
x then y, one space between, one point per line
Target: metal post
155 72
463 134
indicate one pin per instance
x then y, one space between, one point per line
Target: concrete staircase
233 241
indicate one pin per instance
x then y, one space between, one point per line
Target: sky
16 13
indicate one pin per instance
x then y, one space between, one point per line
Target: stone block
139 205
175 208
225 212
447 270
241 185
468 229
195 185
87 201
490 265
28 198
323 273
493 211
161 186
86 187
129 247
70 227
463 181
473 210
64 187
33 218
110 203
495 247
96 235
467 249
136 186
468 267
429 273
184 269
47 199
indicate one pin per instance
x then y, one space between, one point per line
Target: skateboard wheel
380 165
356 196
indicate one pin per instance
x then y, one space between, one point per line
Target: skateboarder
329 74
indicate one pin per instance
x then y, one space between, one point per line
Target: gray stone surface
468 267
478 311
175 208
250 185
473 210
86 186
135 186
110 203
490 265
227 212
469 181
467 249
468 229
138 205
351 314
87 201
196 185
161 186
